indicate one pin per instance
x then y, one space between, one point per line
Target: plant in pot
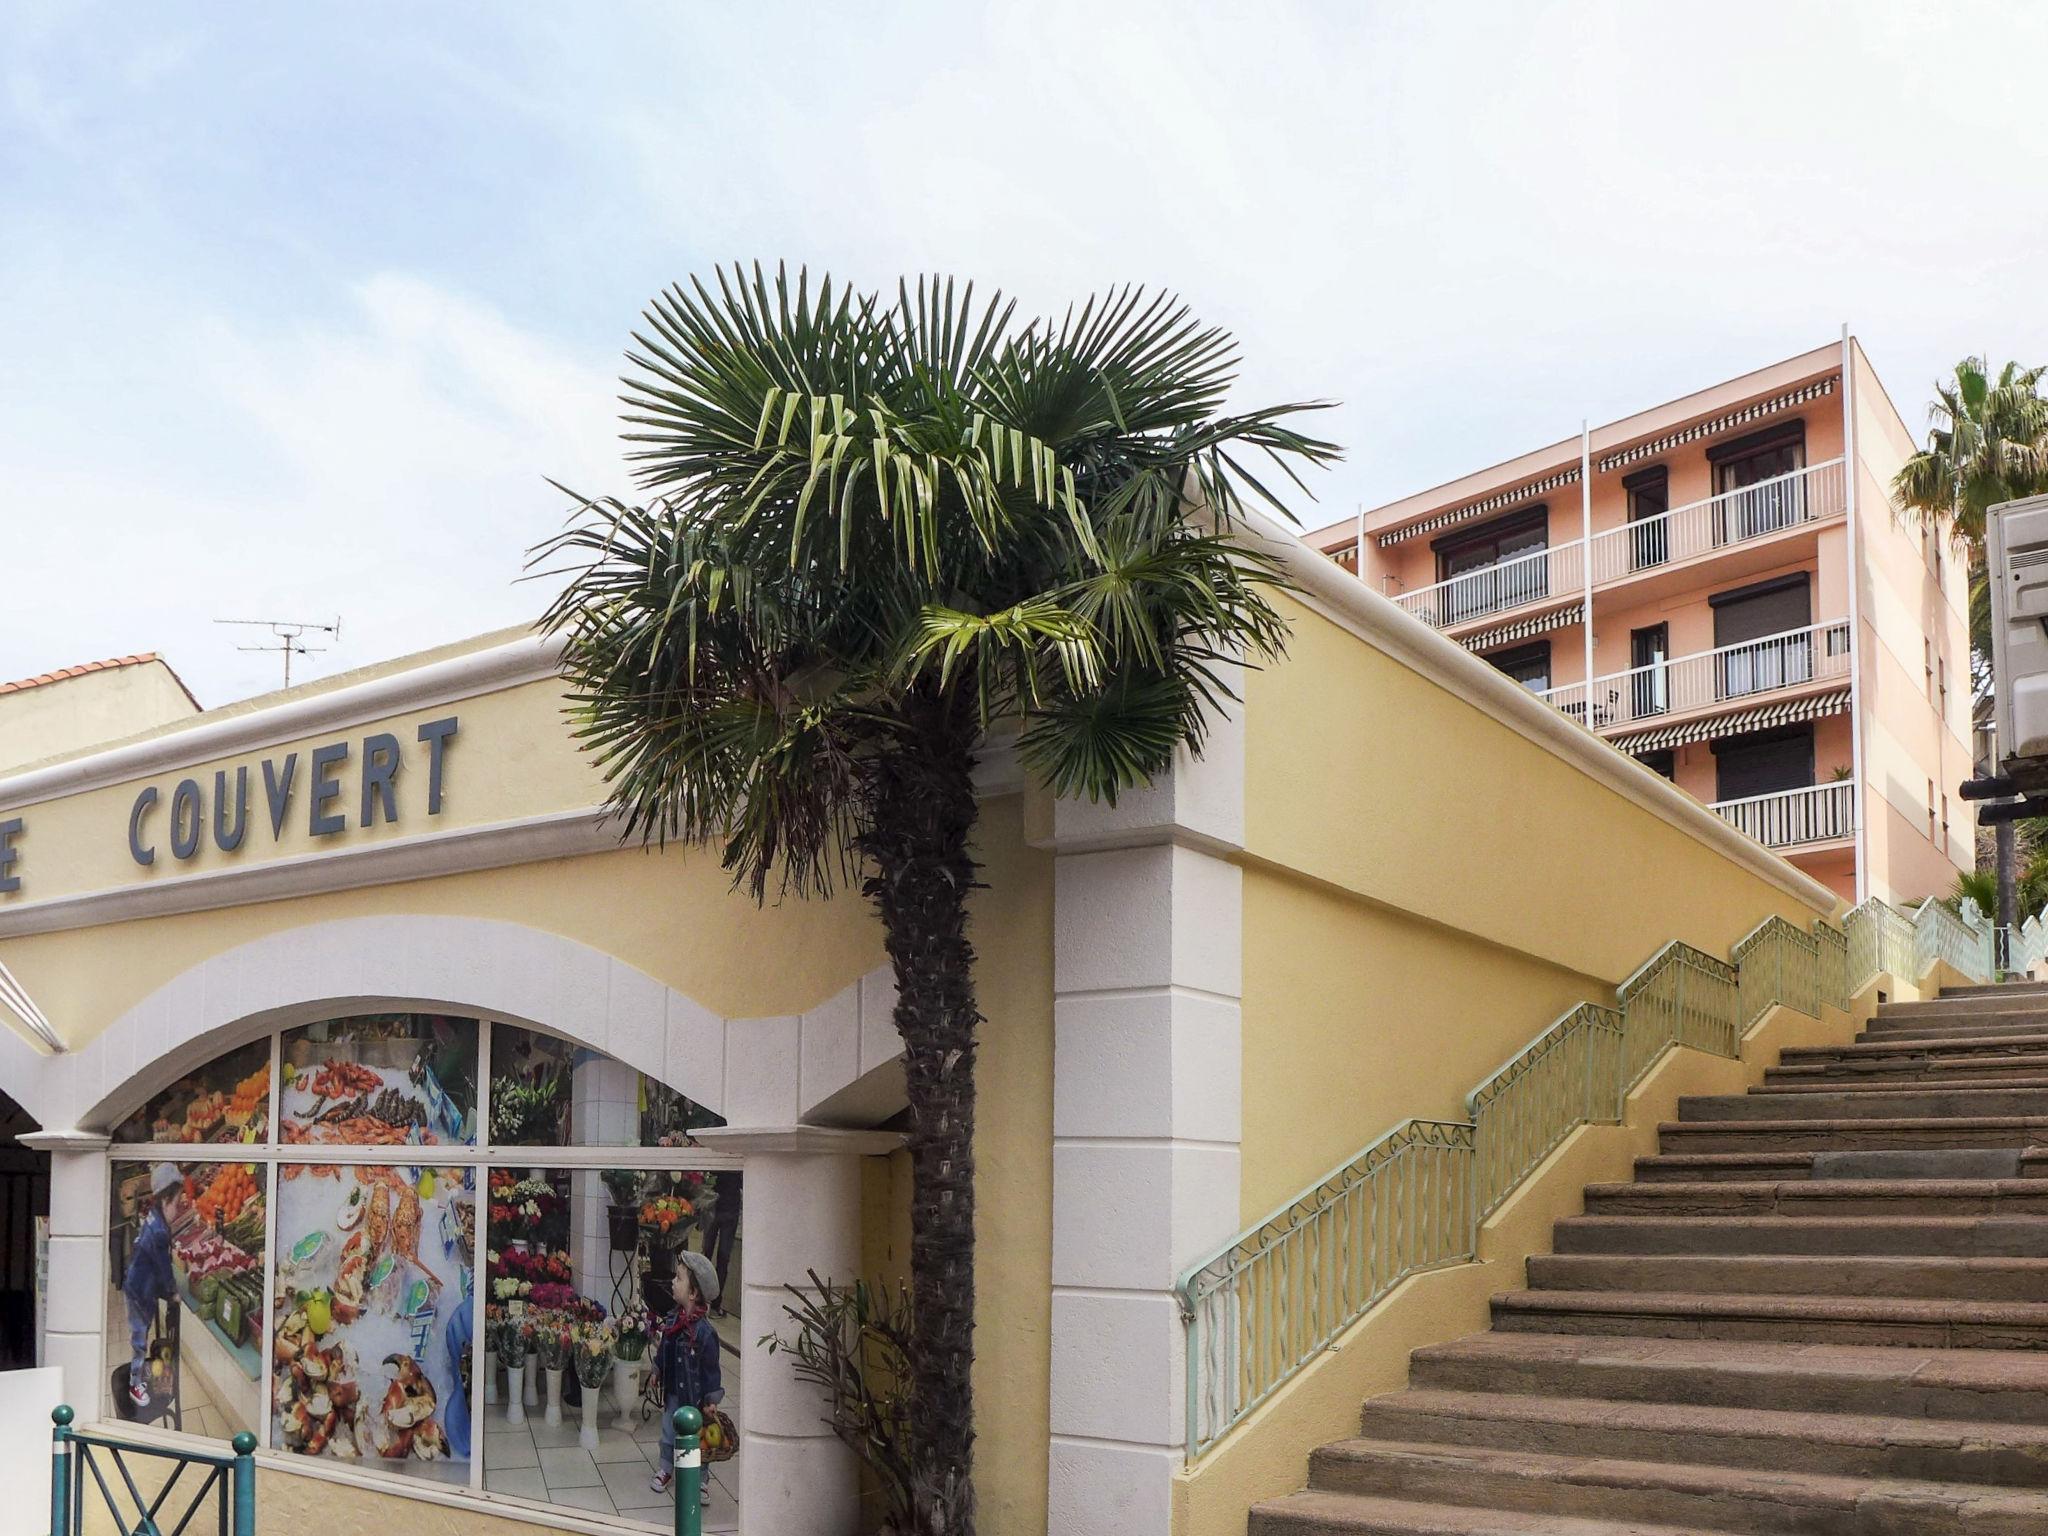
527 1111
551 1348
594 1345
630 1339
512 1342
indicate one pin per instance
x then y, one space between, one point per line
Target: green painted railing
1259 1308
226 1483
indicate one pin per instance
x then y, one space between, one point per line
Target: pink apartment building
1765 630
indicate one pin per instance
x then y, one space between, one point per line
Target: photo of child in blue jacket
686 1359
149 1280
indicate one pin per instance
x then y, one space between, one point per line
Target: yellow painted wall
1425 891
53 719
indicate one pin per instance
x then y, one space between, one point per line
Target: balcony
1794 818
1705 681
1634 551
1734 518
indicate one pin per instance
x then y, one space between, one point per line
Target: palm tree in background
880 530
1988 444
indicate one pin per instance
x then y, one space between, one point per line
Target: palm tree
1988 444
880 530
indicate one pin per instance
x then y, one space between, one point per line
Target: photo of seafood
405 1079
227 1100
372 1346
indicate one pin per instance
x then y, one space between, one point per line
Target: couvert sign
334 786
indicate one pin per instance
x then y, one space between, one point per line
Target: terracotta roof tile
62 673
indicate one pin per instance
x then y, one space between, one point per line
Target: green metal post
60 1470
245 1484
689 1471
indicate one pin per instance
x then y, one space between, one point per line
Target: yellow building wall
53 719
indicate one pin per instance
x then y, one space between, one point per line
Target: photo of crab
402 1079
227 1100
372 1346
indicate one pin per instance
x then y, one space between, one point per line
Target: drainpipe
1586 555
1358 555
1849 467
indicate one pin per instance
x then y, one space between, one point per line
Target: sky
302 306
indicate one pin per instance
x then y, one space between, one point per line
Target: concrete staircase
1822 1310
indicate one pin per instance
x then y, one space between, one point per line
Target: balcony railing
1748 669
1819 813
1513 583
1734 517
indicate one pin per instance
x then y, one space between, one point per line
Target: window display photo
371 1353
185 1309
403 1079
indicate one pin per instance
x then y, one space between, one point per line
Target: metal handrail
1741 670
1797 497
1258 1308
1489 589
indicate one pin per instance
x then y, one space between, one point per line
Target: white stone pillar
802 1215
1147 1120
74 1323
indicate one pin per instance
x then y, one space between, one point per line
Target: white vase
532 1398
515 1402
587 1435
626 1390
553 1416
490 1377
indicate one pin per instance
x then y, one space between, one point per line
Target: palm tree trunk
923 816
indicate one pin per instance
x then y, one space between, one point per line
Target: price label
688 1459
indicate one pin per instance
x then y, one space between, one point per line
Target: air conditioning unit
2016 557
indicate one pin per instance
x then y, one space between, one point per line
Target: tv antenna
290 636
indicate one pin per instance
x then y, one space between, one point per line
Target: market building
425 1051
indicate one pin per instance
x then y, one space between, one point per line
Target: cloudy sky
300 303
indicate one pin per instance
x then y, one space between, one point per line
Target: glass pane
582 1283
226 1100
546 1092
374 1287
184 1322
396 1079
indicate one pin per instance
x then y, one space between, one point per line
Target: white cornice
558 835
1349 603
524 660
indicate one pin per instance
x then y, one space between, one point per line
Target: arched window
429 1246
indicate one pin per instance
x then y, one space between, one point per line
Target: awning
1651 447
1494 503
1758 717
1522 629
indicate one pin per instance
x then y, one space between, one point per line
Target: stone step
2013 989
1716 1498
1776 1439
1890 1103
1986 1386
1911 1321
1310 1513
1977 1074
1979 1006
1822 1197
1923 1276
1820 1133
2007 1026
1747 1167
1955 1236
1957 1047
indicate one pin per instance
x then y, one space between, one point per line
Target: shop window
408 1273
546 1092
186 1303
227 1100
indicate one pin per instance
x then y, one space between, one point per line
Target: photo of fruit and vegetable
226 1101
374 1280
217 1232
380 1080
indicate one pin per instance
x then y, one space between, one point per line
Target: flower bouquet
551 1348
593 1369
663 1214
511 1340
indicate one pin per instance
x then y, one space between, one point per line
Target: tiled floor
534 1460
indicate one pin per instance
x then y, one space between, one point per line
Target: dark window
1475 553
1748 475
1649 679
1528 665
1763 762
1665 762
1753 649
1649 496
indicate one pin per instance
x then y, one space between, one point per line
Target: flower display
663 1212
